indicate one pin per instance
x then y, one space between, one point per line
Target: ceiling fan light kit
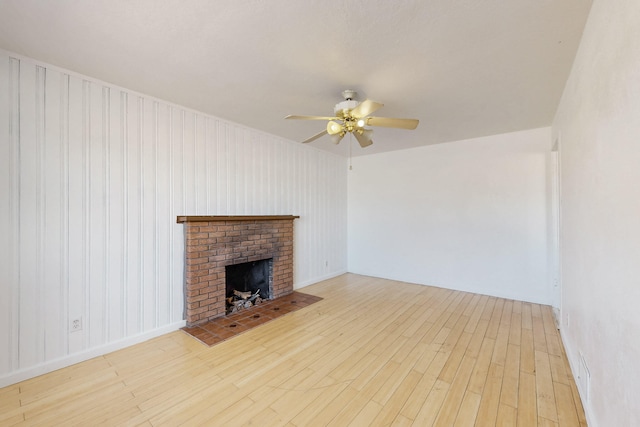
336 138
351 117
334 128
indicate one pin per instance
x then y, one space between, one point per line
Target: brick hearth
213 242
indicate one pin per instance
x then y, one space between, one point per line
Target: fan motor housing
340 107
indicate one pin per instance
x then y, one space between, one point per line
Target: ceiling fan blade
393 123
310 117
364 139
365 108
314 137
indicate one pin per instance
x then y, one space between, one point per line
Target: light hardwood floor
374 352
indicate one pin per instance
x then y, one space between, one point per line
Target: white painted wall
92 178
598 121
468 215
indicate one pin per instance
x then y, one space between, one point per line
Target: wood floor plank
481 369
539 336
309 413
553 344
578 403
507 416
558 372
367 415
402 421
567 411
350 410
527 352
502 338
527 400
494 322
473 349
372 352
418 396
516 323
427 414
392 406
468 412
510 382
449 410
488 411
455 358
475 315
527 321
544 388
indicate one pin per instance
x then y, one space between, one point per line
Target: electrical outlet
75 325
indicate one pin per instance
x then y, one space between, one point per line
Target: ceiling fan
352 116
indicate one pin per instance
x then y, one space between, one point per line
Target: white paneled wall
92 178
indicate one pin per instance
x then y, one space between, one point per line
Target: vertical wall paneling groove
9 211
182 163
156 219
64 213
212 167
187 151
200 143
6 179
172 214
191 189
223 169
160 213
177 206
96 205
172 227
134 302
106 219
141 240
148 216
194 139
75 212
5 216
50 222
14 130
28 265
207 168
124 136
40 206
113 218
86 205
94 177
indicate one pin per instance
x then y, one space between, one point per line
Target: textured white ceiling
465 68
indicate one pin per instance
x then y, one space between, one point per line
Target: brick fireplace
214 242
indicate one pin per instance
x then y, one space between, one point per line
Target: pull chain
350 145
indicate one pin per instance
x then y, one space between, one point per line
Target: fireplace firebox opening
248 284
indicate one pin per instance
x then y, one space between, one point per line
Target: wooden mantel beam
205 218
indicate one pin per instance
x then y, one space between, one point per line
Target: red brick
195 261
212 245
196 235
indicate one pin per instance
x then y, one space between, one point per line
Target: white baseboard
72 359
573 364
